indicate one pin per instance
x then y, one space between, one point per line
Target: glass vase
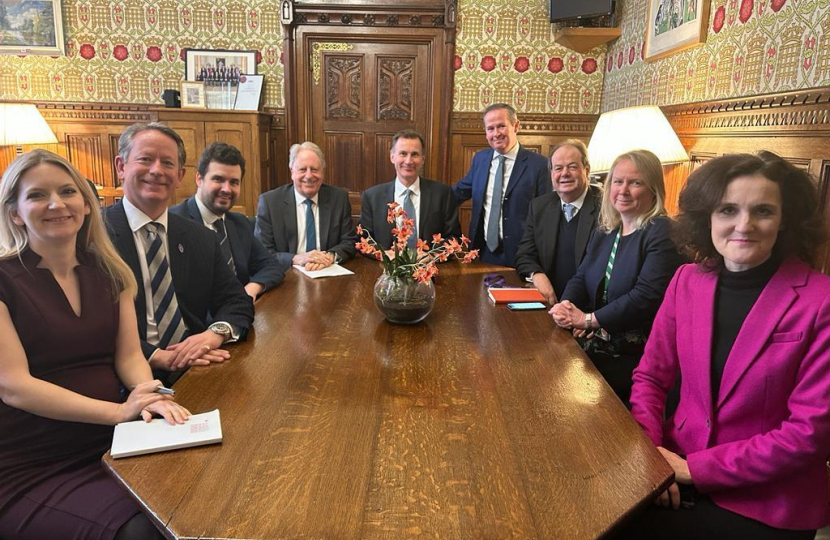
403 300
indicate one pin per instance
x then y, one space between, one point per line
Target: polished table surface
479 423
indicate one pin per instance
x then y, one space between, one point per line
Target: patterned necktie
409 208
224 243
169 321
495 208
310 229
568 208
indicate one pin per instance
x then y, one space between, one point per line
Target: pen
165 391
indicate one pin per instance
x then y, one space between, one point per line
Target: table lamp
633 128
22 123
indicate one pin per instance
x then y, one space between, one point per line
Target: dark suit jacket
253 262
206 288
537 250
438 212
638 281
276 222
530 178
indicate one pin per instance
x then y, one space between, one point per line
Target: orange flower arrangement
418 264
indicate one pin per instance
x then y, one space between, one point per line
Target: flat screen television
567 10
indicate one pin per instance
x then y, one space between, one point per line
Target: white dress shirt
577 204
510 160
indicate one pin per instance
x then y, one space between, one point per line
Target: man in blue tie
431 204
502 181
307 223
219 176
559 224
189 303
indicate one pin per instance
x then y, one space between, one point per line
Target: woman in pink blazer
747 330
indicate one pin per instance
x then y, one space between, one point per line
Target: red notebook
508 295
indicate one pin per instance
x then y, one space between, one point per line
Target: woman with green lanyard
611 301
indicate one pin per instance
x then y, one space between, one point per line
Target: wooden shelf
583 40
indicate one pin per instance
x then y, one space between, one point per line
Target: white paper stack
140 437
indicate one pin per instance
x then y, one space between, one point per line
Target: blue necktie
569 211
169 321
310 229
409 208
495 208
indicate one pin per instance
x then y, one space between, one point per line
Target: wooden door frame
419 21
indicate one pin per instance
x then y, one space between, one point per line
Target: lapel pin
181 248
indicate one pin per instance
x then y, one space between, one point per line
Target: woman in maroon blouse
70 346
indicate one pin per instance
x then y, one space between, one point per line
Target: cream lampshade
22 123
633 128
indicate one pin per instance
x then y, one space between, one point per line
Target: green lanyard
610 267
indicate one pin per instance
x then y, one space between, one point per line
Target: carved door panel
359 99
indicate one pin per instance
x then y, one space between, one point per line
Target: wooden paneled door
357 79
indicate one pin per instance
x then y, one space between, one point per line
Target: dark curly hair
802 231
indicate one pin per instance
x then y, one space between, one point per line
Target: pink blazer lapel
775 300
703 313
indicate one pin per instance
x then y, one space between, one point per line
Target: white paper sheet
331 271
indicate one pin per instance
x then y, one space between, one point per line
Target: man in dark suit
559 224
501 181
431 203
183 281
307 222
218 180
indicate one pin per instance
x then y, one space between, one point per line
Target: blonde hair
651 171
92 237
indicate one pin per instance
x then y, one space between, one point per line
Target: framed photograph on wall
218 66
674 25
219 71
31 27
193 95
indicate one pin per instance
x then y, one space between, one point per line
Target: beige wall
129 51
753 47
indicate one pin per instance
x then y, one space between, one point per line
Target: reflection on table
479 422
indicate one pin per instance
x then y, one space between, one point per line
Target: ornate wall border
797 112
536 124
295 12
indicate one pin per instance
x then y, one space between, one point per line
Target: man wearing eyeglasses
559 224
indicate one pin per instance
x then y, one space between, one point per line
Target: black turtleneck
734 298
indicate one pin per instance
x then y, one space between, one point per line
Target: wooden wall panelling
88 137
794 125
358 71
278 155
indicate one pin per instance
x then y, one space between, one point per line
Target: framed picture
214 67
674 25
31 27
193 95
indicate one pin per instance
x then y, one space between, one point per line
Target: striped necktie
224 243
171 327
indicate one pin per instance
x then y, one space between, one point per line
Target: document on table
329 271
140 437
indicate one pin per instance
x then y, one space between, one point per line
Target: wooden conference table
478 423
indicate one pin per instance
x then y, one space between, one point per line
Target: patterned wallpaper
505 53
753 47
129 51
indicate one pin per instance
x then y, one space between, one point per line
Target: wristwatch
222 329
